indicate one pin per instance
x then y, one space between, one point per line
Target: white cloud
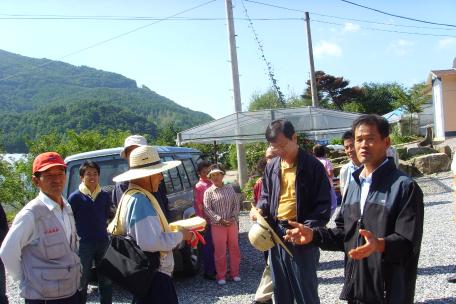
325 48
447 42
400 47
351 27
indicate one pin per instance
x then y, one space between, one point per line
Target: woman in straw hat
222 208
140 216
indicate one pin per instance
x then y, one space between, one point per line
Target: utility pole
240 149
313 83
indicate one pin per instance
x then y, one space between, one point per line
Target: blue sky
188 60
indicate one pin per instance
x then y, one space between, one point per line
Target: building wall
449 104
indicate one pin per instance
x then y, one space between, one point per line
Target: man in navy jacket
379 226
91 208
295 188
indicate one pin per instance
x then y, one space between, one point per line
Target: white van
178 182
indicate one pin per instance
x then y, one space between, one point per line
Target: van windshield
108 169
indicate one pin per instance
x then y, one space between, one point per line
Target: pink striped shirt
221 203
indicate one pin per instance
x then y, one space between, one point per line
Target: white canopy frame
315 123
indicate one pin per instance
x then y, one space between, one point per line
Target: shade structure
247 127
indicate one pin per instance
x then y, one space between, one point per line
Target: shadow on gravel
329 281
430 204
439 301
331 265
428 181
433 270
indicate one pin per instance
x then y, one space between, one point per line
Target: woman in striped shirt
222 207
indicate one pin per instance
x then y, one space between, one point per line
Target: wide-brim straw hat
145 161
257 234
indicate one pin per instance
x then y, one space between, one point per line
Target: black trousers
161 291
3 297
74 299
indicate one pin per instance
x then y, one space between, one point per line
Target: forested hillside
38 96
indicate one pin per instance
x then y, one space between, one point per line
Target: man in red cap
40 249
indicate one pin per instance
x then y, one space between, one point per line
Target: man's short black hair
373 120
319 151
261 165
278 126
348 135
88 164
202 165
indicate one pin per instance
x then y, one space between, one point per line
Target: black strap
146 165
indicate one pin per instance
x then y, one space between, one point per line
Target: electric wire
385 30
397 16
350 19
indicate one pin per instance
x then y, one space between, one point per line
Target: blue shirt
366 182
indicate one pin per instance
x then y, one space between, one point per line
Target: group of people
53 242
379 225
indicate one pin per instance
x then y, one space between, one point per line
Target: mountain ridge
34 91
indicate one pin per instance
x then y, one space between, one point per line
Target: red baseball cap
47 160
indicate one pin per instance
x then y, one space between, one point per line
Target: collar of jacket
379 174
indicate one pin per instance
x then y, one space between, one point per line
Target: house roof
315 122
439 73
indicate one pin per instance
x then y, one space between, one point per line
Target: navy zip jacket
394 211
313 198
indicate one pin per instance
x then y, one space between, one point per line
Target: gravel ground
437 261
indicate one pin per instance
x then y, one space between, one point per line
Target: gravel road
437 261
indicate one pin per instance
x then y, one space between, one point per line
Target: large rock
413 151
432 163
402 152
445 149
408 168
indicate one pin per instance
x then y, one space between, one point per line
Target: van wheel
191 260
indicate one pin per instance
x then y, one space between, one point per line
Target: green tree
268 100
11 185
374 98
333 91
412 99
166 135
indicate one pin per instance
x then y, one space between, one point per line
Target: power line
385 23
119 18
113 38
397 16
276 6
150 18
389 31
344 18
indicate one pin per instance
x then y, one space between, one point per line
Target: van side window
184 177
174 176
191 172
168 183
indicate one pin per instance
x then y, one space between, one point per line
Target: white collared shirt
60 213
366 182
351 168
23 233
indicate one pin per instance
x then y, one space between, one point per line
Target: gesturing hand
299 234
373 244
